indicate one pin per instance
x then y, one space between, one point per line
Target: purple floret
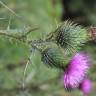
85 87
76 70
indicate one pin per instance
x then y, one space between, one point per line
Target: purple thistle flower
85 87
76 71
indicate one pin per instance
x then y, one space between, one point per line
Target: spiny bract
53 57
70 36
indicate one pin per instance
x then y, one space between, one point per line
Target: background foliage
45 14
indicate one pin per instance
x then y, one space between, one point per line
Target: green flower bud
54 57
70 36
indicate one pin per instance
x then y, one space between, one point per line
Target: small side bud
92 33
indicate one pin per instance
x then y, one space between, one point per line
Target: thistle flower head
53 57
70 36
76 71
85 86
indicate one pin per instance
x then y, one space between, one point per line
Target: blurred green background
45 14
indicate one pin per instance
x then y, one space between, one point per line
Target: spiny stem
5 34
30 30
20 38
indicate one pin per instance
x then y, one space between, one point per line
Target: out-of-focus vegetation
44 14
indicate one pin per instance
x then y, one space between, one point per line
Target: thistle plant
54 50
60 49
